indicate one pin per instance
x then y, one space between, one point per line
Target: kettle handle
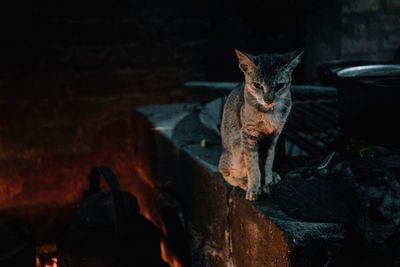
118 201
94 179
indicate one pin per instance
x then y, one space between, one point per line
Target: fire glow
46 256
52 263
147 210
168 257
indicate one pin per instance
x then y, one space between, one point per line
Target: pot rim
370 71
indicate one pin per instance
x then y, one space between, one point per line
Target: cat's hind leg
231 165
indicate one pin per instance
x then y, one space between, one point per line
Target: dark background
73 72
71 48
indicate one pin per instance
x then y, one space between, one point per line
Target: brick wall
77 48
72 48
370 29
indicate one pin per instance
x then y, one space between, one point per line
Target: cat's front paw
275 177
253 194
267 188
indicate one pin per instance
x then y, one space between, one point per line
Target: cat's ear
246 61
293 59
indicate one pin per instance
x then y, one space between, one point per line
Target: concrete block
226 229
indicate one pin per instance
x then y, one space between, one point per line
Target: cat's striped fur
254 115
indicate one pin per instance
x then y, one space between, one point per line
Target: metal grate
313 123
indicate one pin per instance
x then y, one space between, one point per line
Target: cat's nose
268 102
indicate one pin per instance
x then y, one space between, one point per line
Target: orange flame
54 260
52 264
168 257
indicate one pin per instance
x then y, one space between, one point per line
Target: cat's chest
263 123
268 124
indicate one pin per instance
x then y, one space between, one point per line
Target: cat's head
268 76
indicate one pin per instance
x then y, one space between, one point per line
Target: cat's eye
258 86
280 86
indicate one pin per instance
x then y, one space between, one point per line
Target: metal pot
108 229
328 71
369 101
370 71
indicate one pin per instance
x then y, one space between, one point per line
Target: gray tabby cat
254 116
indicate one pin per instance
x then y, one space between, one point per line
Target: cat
253 118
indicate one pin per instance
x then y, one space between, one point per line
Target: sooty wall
74 48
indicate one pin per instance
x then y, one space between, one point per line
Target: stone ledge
224 228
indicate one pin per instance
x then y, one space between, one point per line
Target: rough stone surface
255 234
255 238
344 215
318 201
367 30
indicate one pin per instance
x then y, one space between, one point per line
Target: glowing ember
51 263
45 255
54 261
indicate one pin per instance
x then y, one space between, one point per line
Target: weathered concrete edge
297 234
204 174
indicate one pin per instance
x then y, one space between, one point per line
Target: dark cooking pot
327 72
369 101
108 230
